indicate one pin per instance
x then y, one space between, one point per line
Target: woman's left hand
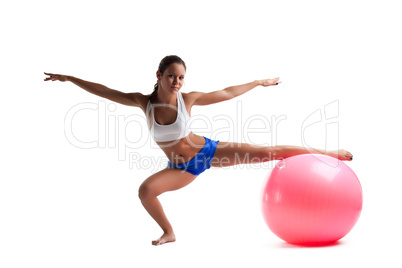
269 82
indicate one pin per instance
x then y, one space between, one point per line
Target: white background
64 206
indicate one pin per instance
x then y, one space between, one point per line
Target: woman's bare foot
341 155
165 238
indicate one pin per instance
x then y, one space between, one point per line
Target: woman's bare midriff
183 150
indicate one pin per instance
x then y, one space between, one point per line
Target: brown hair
165 63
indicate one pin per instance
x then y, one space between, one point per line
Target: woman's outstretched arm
200 98
130 99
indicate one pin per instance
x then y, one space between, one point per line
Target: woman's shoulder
146 97
190 97
141 99
194 97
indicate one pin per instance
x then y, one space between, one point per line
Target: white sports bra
177 130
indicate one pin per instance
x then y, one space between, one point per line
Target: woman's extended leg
168 179
231 153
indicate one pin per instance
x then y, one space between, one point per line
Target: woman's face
173 78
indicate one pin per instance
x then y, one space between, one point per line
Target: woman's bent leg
169 179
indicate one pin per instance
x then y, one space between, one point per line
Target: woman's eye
182 78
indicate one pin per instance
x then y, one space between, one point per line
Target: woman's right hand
56 77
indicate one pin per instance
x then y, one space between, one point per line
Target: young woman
168 111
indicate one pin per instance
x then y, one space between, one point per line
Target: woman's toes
347 155
165 238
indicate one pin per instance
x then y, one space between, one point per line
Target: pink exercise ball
311 200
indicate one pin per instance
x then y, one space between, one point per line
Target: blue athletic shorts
202 161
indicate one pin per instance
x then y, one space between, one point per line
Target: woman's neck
166 98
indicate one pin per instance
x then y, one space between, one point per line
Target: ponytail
154 94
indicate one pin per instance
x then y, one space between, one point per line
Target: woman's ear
158 75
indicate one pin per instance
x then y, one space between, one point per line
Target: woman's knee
146 191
